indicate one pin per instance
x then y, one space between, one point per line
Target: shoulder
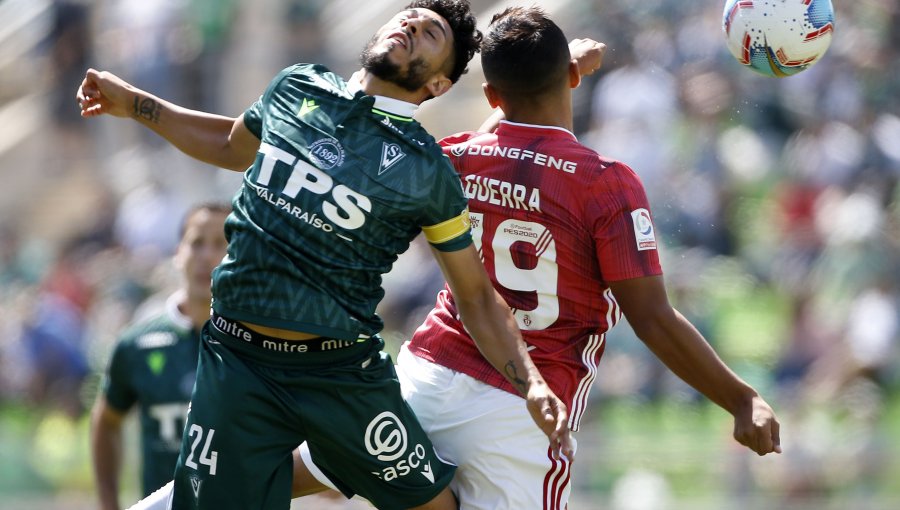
605 172
613 168
313 77
155 331
411 138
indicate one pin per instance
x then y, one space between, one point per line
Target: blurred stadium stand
776 200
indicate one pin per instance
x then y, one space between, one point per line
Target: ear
574 75
438 85
491 94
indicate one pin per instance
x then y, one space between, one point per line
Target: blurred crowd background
776 201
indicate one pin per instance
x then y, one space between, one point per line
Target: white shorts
504 459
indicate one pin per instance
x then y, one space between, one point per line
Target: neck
375 86
555 112
197 310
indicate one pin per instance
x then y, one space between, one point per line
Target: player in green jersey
340 180
154 363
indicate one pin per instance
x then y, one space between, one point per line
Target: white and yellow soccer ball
778 37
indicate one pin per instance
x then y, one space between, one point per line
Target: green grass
689 444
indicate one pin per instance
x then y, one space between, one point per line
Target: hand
552 417
104 92
588 53
757 428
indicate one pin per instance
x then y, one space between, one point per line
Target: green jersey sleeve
453 233
117 387
253 116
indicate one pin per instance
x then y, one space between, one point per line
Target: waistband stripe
241 332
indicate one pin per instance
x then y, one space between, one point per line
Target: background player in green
341 179
154 363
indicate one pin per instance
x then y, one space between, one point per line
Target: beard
379 64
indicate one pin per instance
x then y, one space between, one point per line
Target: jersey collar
385 104
510 127
179 319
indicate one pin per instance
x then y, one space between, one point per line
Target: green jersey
341 185
153 365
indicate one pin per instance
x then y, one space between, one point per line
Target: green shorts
252 406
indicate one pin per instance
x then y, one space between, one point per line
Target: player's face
411 48
201 249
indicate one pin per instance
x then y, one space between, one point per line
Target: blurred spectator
53 337
209 33
70 48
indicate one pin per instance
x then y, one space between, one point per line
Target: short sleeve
253 118
117 387
446 222
623 231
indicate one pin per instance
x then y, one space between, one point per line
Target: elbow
234 161
234 167
652 323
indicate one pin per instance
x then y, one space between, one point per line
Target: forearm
200 135
495 332
492 122
689 356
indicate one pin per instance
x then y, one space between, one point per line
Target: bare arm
491 324
675 341
215 139
106 452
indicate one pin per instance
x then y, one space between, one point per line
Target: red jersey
553 222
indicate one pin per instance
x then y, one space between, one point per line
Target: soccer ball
778 37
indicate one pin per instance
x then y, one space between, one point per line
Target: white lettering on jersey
156 340
643 230
537 158
347 209
171 418
502 193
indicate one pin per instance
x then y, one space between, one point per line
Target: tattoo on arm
513 375
147 109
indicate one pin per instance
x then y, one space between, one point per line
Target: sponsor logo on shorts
386 440
386 437
195 486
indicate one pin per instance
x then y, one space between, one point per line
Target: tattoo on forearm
147 109
513 375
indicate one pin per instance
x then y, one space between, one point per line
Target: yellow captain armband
449 230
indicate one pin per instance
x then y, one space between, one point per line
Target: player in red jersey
568 240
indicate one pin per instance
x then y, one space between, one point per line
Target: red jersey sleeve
623 230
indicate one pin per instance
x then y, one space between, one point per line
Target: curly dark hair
466 37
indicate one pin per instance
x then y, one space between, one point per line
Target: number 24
207 457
